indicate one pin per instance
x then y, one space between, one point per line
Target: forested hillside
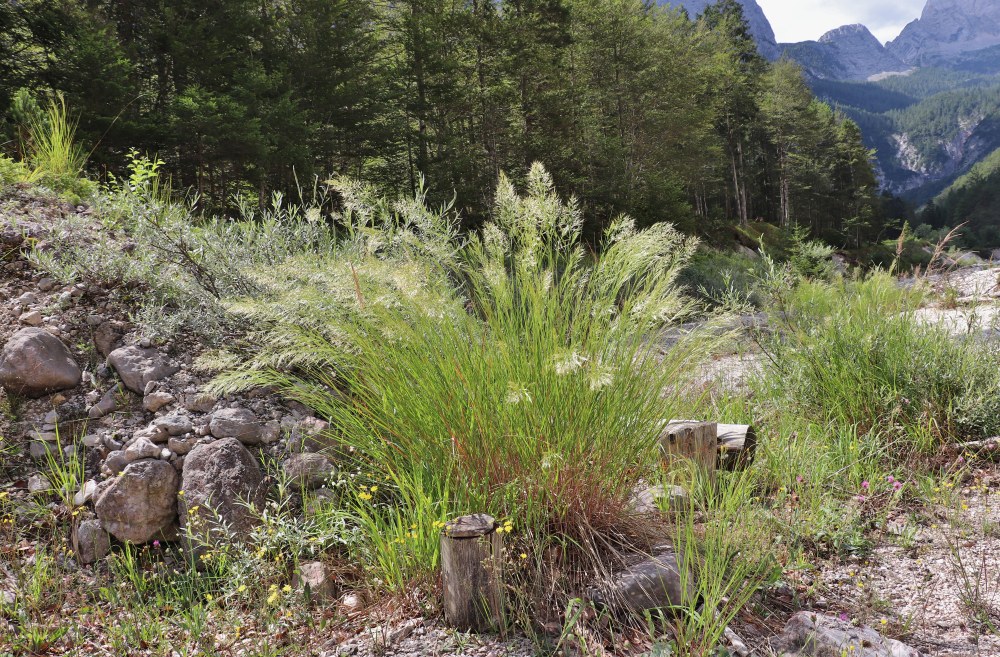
631 107
973 200
927 128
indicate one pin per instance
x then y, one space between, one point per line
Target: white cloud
803 20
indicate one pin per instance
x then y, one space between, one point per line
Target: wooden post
737 445
694 441
471 567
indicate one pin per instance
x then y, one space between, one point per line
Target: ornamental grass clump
513 371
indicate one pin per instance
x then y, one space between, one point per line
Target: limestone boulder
35 363
140 503
224 482
138 366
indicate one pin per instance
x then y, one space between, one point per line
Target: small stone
41 450
236 423
39 484
166 454
270 433
656 583
93 440
181 445
145 343
809 633
137 366
33 318
153 432
352 603
86 493
174 424
94 321
308 470
157 400
47 436
143 448
27 299
115 462
107 405
91 542
315 578
46 284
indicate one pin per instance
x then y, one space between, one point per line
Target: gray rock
33 318
174 424
27 299
35 363
236 423
42 451
657 498
817 635
137 366
106 337
315 578
107 405
308 470
91 542
221 478
656 583
46 284
115 462
86 493
154 432
141 502
93 440
157 400
39 484
143 448
182 445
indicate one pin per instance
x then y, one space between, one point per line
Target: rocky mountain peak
760 26
948 28
855 33
850 52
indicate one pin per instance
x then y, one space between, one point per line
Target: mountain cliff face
850 52
760 27
948 28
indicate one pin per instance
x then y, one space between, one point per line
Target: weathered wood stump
737 444
693 441
471 568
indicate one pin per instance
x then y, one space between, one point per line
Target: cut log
471 568
737 444
693 441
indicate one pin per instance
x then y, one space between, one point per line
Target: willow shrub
511 372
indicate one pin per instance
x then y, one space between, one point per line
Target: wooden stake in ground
693 441
471 567
737 444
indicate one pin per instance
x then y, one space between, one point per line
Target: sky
805 20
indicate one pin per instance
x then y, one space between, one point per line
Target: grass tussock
512 372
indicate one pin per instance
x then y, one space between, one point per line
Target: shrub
513 372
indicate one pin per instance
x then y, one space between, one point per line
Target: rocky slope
948 28
850 52
760 27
